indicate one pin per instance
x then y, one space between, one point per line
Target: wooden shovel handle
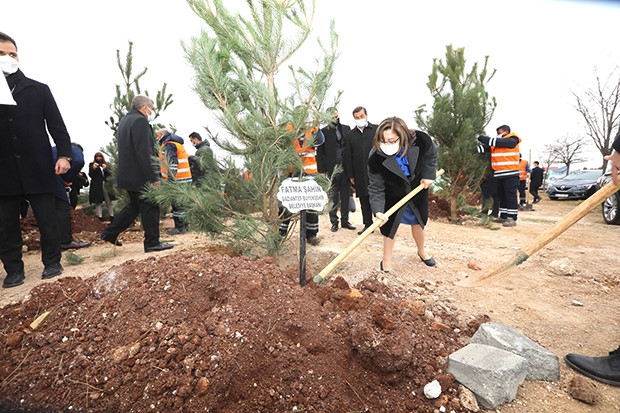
571 218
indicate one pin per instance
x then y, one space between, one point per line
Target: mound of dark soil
206 332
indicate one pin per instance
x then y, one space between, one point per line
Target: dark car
611 215
576 185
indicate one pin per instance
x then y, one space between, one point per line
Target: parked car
611 215
576 185
552 175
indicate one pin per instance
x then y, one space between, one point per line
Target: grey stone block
544 365
492 374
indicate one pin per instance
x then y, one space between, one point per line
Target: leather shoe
158 247
110 240
361 231
51 271
335 227
537 200
75 245
14 279
429 262
604 369
348 225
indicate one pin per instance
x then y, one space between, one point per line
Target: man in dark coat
136 151
328 156
62 201
27 166
536 181
358 143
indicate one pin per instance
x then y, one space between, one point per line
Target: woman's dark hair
399 127
98 155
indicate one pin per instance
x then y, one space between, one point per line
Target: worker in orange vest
173 160
305 146
505 160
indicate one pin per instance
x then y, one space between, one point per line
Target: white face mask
151 116
8 65
360 123
389 149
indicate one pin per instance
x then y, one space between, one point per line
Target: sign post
301 196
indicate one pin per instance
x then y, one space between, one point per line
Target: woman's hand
426 182
381 216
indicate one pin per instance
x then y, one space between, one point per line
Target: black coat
536 177
137 154
326 153
389 184
357 148
26 160
97 178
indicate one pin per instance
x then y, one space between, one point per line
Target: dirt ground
191 329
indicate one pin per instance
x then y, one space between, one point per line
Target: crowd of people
379 163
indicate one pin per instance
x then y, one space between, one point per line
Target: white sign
297 196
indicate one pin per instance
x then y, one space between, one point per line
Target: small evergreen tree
239 76
461 110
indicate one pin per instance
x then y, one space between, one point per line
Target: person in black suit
536 181
358 143
136 149
27 166
328 156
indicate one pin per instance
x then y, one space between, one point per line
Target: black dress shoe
604 369
348 226
335 227
13 280
75 245
110 240
430 262
361 231
158 247
51 271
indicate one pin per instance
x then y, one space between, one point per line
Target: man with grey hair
136 149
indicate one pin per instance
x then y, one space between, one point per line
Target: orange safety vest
523 170
306 152
183 172
506 159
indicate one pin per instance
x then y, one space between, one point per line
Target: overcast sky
542 49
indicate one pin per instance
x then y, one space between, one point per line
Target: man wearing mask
196 162
358 143
505 160
328 156
136 148
27 166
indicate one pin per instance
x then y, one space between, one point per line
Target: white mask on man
8 65
151 116
360 123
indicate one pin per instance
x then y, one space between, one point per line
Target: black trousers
339 195
534 191
522 197
312 222
63 211
366 210
149 215
11 240
507 188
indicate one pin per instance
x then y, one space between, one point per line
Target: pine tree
242 78
461 110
